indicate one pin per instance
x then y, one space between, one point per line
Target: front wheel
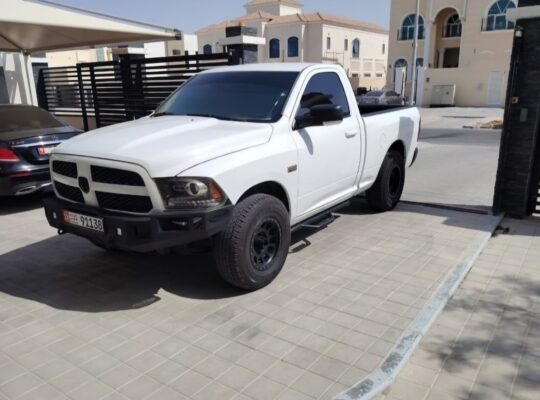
386 192
252 249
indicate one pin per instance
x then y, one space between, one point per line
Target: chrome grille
69 192
121 188
65 168
115 176
124 202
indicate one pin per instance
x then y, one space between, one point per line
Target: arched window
453 26
401 63
496 18
356 48
292 47
274 48
408 26
207 49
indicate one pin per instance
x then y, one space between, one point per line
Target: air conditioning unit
443 95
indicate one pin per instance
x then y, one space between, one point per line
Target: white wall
283 32
20 85
372 61
191 44
155 50
165 49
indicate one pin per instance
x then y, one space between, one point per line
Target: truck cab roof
271 67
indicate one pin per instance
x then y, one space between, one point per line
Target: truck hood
168 145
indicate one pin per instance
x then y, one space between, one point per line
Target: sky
190 15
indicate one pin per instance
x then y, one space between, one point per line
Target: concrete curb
383 377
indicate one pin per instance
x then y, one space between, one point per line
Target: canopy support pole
31 86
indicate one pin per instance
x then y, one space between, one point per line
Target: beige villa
463 54
279 31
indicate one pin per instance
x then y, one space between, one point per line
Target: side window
324 88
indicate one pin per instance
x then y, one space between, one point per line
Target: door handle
350 135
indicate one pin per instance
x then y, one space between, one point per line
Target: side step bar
321 220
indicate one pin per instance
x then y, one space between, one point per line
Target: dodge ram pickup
238 155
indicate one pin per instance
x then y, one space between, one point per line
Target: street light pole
412 100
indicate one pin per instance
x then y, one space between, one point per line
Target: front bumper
140 233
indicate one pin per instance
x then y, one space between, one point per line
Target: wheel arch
270 188
399 146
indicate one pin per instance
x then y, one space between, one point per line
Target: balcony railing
496 23
407 33
452 30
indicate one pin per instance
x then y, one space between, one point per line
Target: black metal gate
518 177
116 91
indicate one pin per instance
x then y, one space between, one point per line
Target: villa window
346 45
274 48
407 28
328 43
453 27
356 48
292 47
496 18
207 49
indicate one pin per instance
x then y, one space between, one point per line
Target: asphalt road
455 167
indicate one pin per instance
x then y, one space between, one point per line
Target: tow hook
61 232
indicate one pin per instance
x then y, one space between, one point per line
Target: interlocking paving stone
85 323
486 342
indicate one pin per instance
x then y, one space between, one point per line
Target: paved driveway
456 167
80 323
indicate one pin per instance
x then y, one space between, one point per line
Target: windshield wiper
161 114
220 117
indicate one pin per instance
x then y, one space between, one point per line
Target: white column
441 58
427 54
28 79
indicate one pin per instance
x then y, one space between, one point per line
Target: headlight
187 193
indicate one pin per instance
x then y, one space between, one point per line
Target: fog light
182 223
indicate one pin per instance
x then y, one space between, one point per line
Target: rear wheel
386 192
251 251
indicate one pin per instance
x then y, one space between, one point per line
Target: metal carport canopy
31 26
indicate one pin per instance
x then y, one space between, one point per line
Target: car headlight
188 193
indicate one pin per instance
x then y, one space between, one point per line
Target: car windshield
25 118
236 96
374 94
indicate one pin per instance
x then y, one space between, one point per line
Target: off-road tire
235 247
386 192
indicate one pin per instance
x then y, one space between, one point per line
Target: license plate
43 151
84 221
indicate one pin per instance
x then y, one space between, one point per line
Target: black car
27 136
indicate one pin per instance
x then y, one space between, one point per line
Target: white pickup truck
240 155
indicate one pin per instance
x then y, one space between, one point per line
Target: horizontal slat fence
119 91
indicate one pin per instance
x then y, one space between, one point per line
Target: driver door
329 154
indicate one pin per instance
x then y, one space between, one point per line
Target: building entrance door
495 95
400 80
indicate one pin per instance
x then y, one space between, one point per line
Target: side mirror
320 114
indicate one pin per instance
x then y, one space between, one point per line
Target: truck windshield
236 96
